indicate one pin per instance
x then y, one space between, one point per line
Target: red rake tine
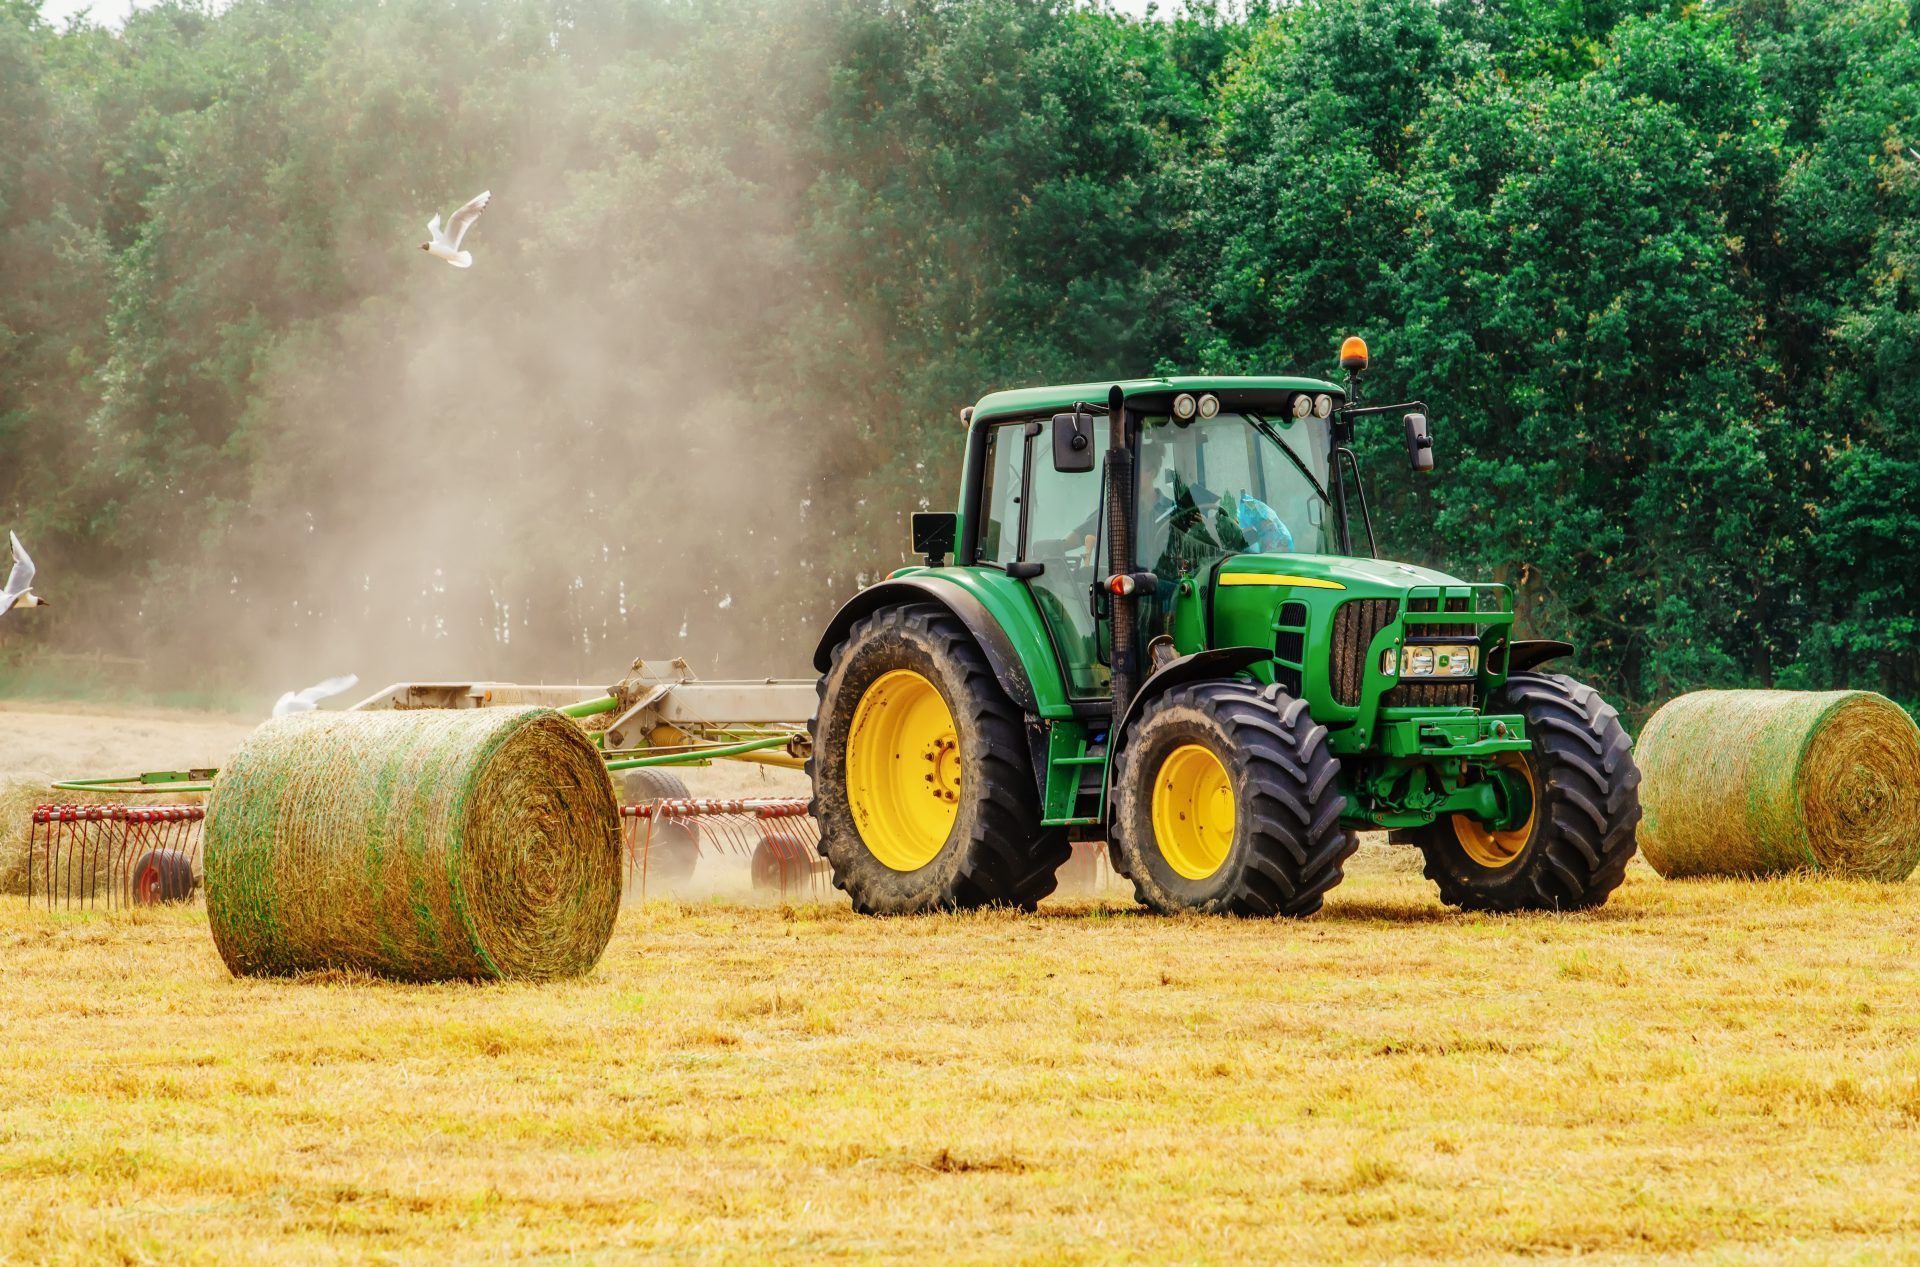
82 856
737 826
33 839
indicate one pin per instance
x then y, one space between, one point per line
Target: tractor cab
1210 481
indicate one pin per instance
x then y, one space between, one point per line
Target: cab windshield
1228 486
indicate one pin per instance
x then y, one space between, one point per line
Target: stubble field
1708 1072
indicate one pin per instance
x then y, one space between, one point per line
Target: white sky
113 12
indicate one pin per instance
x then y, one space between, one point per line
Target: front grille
1290 648
1435 694
1461 633
1429 695
1354 626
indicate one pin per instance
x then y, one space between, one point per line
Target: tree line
1654 266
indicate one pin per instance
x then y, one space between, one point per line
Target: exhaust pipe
1120 562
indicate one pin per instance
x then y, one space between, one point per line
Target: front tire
922 783
1225 801
1573 850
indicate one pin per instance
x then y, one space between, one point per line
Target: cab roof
1232 389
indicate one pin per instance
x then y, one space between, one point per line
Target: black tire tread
1589 789
176 874
1298 847
672 847
1009 858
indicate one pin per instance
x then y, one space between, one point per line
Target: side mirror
1072 443
1419 444
933 532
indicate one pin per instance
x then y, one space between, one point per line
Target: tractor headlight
1302 405
1184 405
1431 660
1209 405
1322 405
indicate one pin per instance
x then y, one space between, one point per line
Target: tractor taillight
1121 584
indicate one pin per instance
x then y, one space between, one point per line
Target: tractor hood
1329 572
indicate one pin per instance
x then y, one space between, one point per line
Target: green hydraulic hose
179 781
700 754
157 781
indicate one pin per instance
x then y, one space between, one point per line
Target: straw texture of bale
431 845
1745 783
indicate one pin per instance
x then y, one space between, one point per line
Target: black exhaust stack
1120 561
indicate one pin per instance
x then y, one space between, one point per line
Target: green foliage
1652 266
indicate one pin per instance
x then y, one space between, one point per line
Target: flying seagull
19 591
308 700
446 245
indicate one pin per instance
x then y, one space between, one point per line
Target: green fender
1528 653
997 611
1217 664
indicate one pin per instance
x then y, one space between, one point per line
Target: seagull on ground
308 700
445 245
19 591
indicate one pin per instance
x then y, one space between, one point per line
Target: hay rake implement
111 857
126 854
776 836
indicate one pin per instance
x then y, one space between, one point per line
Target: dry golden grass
1713 1072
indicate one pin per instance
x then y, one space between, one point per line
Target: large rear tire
1573 850
1225 801
922 783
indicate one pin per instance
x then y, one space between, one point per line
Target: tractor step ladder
1080 764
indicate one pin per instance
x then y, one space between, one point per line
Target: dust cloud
586 448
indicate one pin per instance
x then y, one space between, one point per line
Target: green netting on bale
425 846
1766 782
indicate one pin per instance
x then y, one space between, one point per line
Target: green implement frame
646 719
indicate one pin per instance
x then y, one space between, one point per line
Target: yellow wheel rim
903 770
1495 849
1193 811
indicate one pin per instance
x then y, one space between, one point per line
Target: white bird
19 591
446 245
308 700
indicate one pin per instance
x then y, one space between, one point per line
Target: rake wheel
161 876
672 842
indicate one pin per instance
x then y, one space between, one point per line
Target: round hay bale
424 846
1765 782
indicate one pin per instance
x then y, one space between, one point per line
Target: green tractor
1165 625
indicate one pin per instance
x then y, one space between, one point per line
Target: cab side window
1063 536
1006 469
